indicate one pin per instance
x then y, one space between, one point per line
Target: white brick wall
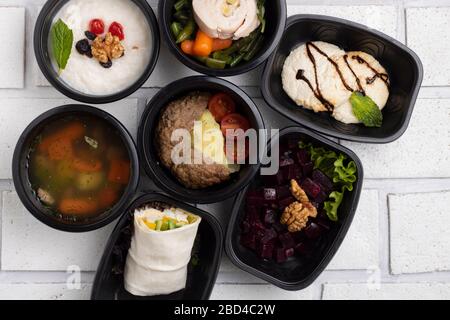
398 245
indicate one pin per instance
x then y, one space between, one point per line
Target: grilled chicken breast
320 76
224 19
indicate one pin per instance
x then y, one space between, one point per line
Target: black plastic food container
43 55
108 284
403 65
275 19
149 155
21 175
297 272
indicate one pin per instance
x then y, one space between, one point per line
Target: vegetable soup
79 167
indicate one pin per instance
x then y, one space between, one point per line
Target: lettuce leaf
331 206
338 169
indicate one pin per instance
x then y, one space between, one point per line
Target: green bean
261 15
252 41
187 31
237 45
180 4
254 50
182 16
236 60
200 59
215 63
176 28
220 55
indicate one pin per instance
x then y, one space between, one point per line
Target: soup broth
79 167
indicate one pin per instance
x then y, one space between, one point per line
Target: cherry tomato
221 105
239 153
97 26
234 121
116 29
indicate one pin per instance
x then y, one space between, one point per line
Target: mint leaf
62 41
366 110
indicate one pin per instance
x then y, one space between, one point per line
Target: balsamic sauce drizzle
318 93
383 76
358 82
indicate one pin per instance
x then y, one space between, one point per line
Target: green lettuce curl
338 169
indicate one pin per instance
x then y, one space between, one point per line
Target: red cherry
97 26
116 29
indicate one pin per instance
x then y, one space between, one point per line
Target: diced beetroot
289 252
265 251
269 216
283 203
321 197
313 231
303 248
303 156
298 236
269 236
298 172
284 149
320 178
292 143
285 161
307 169
280 255
270 194
279 227
249 241
252 214
283 192
286 240
292 171
245 227
311 188
255 199
325 223
258 230
274 180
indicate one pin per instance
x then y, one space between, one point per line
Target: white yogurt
86 74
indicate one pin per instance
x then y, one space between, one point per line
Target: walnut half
296 215
107 48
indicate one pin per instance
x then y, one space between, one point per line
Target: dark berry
89 53
106 65
83 46
90 35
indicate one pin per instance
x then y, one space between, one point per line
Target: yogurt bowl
96 51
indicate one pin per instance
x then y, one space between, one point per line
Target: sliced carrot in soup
60 149
119 171
87 166
78 206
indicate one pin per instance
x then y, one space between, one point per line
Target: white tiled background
399 243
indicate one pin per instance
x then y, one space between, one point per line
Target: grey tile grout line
383 235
